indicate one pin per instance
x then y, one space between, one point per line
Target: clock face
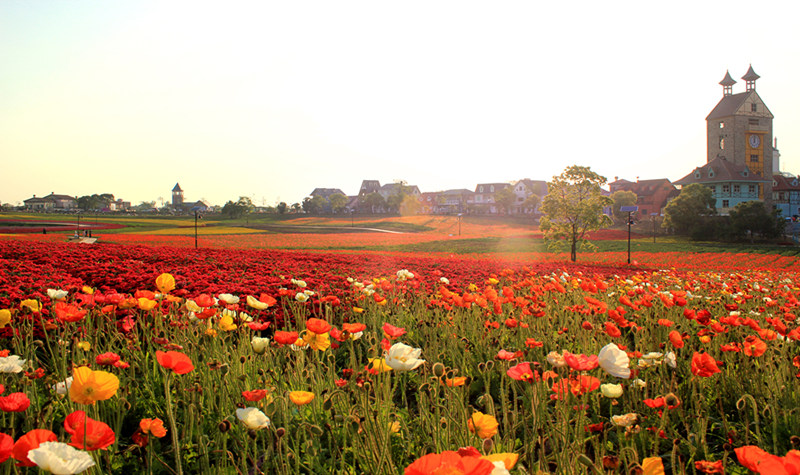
755 141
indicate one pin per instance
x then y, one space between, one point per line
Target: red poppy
449 462
758 460
665 323
15 402
255 394
507 355
204 300
96 434
28 442
612 330
318 326
392 331
179 363
576 385
6 446
676 339
704 365
68 312
581 362
532 343
286 338
709 467
523 372
107 359
258 326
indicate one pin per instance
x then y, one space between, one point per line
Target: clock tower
740 131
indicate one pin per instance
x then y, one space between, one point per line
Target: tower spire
727 84
750 79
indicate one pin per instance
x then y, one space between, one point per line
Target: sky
272 99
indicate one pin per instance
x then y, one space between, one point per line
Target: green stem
172 425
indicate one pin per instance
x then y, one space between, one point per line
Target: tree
238 209
505 198
622 198
573 207
282 206
374 201
531 203
688 212
338 201
145 206
751 218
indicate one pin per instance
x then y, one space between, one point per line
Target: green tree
573 207
505 199
282 206
338 201
531 203
689 211
238 209
752 218
373 201
622 198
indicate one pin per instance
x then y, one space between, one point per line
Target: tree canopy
622 198
688 211
505 199
573 207
752 218
238 209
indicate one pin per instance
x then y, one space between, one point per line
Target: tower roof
728 80
750 75
177 187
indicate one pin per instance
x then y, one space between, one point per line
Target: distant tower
739 129
177 196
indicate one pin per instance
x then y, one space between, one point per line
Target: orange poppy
165 283
676 339
449 462
68 312
153 426
318 326
482 425
87 433
704 365
301 397
286 338
28 442
754 346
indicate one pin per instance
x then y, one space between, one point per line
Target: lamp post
196 216
630 210
459 223
653 217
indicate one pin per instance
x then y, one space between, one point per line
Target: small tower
750 79
727 84
177 196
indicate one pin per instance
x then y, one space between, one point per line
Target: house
428 202
786 194
368 186
326 192
524 189
391 189
730 183
453 201
51 202
651 195
484 199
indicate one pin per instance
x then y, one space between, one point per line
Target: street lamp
459 223
653 217
629 210
196 217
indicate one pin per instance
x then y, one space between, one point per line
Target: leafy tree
238 209
296 207
622 198
314 204
690 209
282 206
145 206
90 202
410 206
531 203
573 207
373 201
338 201
505 198
751 217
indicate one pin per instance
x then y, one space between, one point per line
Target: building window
726 203
736 189
752 121
751 188
491 188
726 188
721 143
722 125
480 188
754 157
754 108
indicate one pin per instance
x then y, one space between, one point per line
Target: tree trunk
573 250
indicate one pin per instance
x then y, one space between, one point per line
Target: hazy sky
272 99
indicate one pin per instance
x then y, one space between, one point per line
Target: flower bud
438 370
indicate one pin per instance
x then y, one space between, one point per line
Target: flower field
156 359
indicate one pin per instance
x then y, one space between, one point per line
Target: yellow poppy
87 290
226 323
378 365
84 345
165 283
193 307
482 425
31 304
508 459
90 386
317 341
5 317
147 304
301 397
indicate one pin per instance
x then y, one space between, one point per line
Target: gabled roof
728 105
60 197
177 187
497 187
460 191
538 187
643 187
785 183
720 170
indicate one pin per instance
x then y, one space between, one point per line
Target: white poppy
60 458
252 418
611 391
11 364
301 297
56 294
63 386
229 299
259 344
614 361
402 357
